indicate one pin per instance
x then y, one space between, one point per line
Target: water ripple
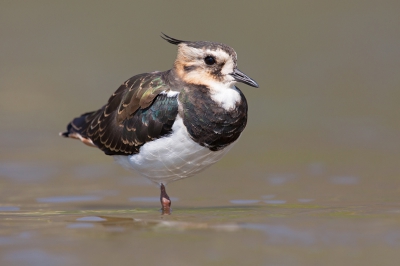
8 208
275 201
245 201
80 225
149 199
91 219
64 199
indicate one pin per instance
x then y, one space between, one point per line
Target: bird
169 125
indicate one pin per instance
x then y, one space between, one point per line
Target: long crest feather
170 39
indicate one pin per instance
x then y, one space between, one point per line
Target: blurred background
323 127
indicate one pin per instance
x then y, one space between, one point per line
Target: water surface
314 179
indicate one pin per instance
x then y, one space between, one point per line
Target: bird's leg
165 201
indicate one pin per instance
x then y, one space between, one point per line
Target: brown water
314 179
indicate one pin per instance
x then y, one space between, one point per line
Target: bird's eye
209 60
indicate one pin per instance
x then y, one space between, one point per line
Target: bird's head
205 63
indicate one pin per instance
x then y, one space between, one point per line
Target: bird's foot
165 201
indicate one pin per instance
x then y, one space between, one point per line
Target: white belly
172 157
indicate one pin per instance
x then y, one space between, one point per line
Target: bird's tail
77 129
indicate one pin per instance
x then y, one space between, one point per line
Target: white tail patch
86 141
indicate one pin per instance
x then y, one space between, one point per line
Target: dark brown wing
136 113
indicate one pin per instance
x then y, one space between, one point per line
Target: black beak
239 76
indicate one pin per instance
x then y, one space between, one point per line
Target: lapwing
173 124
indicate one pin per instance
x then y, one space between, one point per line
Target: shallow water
314 179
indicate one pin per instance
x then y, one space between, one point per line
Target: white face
205 66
